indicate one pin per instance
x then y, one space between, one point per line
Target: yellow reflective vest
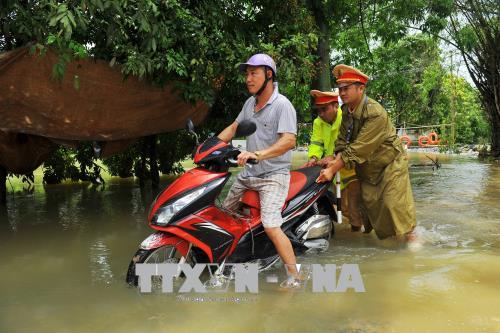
322 144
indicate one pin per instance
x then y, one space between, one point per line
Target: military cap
324 97
345 73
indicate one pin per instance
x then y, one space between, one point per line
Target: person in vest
326 128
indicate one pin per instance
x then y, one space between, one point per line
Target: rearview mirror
190 125
190 128
245 128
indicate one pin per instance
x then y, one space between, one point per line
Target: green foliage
75 165
122 164
27 180
410 80
471 125
406 69
407 77
304 131
171 148
474 29
89 169
59 167
198 44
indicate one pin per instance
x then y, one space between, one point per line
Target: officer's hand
244 156
325 175
310 163
325 160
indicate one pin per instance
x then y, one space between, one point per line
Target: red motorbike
192 228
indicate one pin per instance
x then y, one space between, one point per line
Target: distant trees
199 44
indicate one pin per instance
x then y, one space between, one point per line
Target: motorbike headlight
165 213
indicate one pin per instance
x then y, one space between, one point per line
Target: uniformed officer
368 143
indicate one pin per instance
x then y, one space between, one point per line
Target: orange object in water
423 141
406 140
433 138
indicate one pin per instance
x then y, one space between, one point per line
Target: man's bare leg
284 248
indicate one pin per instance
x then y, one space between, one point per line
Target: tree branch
433 34
364 31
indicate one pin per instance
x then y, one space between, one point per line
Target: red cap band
350 76
326 99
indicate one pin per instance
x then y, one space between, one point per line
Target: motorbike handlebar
234 161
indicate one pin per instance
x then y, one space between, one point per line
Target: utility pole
452 106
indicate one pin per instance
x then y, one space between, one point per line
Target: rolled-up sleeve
369 138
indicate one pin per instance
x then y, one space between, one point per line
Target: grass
15 184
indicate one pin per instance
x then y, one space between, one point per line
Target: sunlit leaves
467 38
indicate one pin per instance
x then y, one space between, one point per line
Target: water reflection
100 269
4 220
428 283
66 249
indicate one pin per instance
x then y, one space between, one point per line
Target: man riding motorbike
271 146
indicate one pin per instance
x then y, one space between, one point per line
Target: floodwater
65 250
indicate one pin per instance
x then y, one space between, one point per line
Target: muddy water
65 250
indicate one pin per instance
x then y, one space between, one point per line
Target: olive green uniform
368 143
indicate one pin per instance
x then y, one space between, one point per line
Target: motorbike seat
300 180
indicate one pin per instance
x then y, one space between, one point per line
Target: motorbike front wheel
159 255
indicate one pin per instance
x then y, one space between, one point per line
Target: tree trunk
153 162
3 186
488 85
322 80
323 77
482 61
494 116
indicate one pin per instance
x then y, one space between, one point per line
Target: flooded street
66 248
